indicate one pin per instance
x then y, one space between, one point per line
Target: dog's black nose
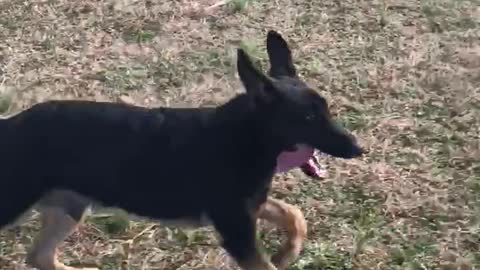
357 151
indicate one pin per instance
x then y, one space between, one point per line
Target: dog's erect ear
254 81
281 63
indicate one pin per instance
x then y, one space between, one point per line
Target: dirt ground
403 75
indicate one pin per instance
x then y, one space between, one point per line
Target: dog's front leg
291 219
237 227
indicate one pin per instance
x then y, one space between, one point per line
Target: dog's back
109 151
79 144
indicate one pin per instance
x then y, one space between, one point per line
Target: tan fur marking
292 220
56 226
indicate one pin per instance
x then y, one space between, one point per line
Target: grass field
403 75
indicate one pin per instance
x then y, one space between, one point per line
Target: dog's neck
240 116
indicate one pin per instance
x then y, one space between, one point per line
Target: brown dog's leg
292 220
56 226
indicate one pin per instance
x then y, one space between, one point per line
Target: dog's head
292 112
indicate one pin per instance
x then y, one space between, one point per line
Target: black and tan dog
64 155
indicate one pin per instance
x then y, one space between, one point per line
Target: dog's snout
357 151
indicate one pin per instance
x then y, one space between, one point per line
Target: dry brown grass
404 75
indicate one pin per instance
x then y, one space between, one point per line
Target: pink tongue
311 169
289 160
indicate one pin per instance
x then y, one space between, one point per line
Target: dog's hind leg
60 215
291 219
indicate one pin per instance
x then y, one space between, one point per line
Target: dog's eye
312 113
315 111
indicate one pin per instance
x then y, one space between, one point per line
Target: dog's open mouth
301 156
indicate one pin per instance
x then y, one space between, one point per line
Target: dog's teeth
311 169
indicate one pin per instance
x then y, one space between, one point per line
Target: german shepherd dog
130 157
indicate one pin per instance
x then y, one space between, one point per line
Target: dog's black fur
133 157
